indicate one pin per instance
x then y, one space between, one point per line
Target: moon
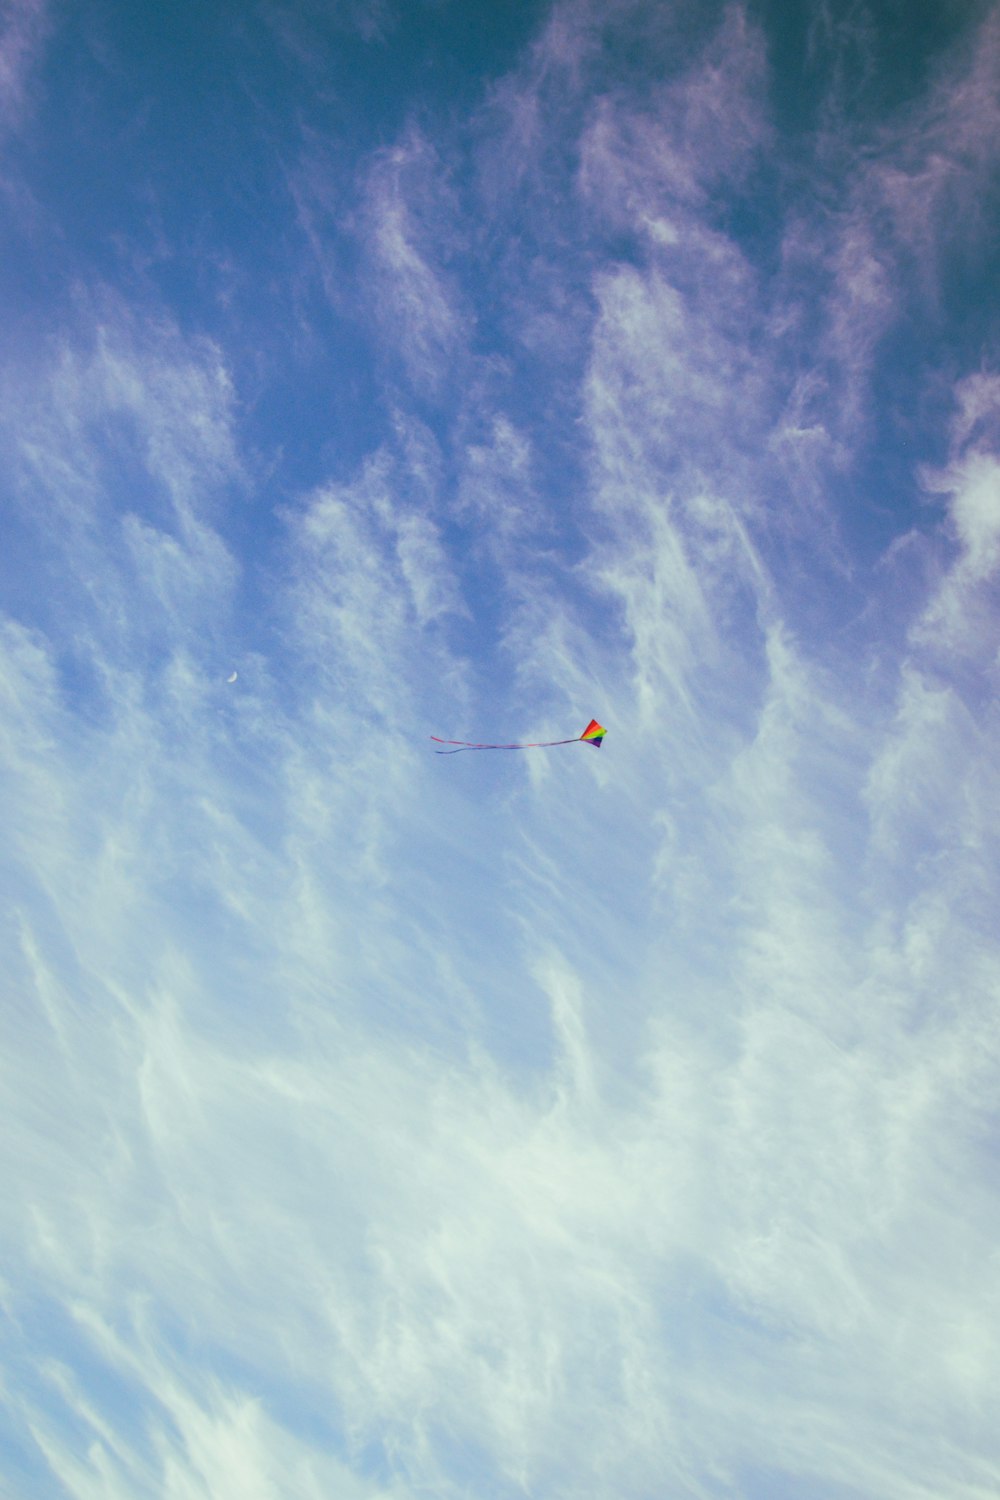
232 677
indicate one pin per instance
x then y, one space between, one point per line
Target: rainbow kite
592 735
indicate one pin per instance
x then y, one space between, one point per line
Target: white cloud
614 1122
942 162
407 223
310 32
497 485
24 29
706 126
886 248
125 396
959 618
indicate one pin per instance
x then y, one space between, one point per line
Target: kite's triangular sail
592 735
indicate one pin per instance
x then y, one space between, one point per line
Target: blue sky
576 1125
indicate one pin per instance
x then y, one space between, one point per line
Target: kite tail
592 735
539 745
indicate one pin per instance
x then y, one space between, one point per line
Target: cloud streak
24 27
614 1123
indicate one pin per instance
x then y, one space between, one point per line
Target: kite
592 735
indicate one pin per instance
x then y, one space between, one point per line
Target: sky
570 1124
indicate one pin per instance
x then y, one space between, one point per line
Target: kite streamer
592 735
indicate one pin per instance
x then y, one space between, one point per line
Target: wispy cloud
614 1122
959 619
24 28
407 223
886 251
310 32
